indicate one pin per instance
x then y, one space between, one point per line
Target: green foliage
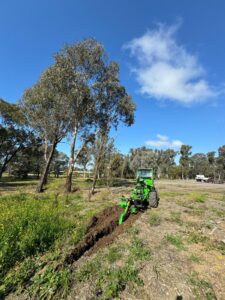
78 234
138 251
154 219
199 164
112 281
175 240
48 282
27 226
17 278
88 270
15 138
185 153
198 197
159 160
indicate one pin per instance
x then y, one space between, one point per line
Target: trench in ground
102 230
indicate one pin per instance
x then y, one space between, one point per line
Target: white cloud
166 70
163 141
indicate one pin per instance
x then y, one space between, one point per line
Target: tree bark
69 177
73 160
44 175
1 171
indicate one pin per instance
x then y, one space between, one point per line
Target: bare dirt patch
102 230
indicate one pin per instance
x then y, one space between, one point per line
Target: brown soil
102 230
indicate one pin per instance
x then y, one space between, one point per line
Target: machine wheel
153 199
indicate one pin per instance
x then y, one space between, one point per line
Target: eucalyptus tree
114 105
127 171
167 161
199 165
28 161
14 134
59 163
84 156
212 163
97 99
82 62
48 112
185 153
220 161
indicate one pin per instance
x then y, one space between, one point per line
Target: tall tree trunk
44 175
73 159
71 163
1 171
98 163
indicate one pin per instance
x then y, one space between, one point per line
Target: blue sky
171 56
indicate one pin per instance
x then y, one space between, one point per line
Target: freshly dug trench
102 229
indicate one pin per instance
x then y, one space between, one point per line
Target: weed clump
198 197
47 283
175 240
196 238
154 219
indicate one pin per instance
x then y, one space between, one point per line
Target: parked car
201 178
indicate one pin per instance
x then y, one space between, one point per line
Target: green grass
175 240
138 251
176 218
154 219
114 254
108 279
195 258
216 245
46 284
39 225
195 237
218 212
197 211
27 227
112 281
88 270
202 288
170 194
198 197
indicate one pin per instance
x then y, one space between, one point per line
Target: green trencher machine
144 195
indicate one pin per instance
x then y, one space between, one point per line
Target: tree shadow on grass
11 184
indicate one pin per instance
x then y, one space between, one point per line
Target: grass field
176 251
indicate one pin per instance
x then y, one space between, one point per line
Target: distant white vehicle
201 178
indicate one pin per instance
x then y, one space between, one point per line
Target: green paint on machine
144 195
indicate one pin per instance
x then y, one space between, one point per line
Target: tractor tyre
153 199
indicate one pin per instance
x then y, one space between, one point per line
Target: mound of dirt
102 230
